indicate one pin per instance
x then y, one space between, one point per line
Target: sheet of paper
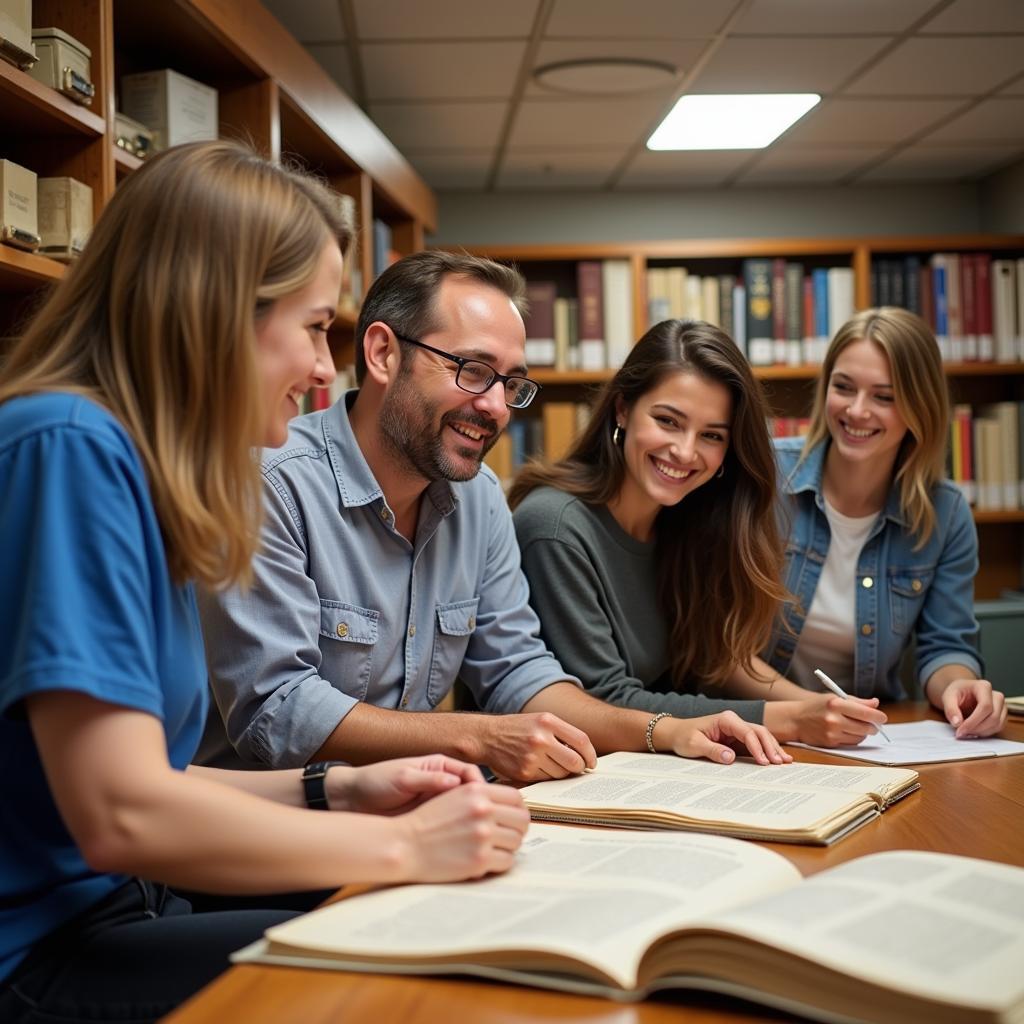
921 743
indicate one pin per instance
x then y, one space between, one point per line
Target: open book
890 937
794 803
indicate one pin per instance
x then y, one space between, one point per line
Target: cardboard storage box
16 33
65 217
18 217
63 64
132 136
175 108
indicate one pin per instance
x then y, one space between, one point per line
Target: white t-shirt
829 634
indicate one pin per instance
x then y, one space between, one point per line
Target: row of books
973 302
591 330
777 313
986 455
548 435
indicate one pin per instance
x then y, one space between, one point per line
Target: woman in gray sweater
652 550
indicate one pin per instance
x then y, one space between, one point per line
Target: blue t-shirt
86 604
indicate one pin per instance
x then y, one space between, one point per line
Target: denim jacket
902 594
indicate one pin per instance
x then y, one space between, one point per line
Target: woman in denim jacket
881 550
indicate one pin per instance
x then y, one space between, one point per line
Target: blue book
820 279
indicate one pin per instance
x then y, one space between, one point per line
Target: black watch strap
313 779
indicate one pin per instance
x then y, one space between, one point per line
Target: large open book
795 803
890 937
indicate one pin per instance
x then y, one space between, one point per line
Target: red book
968 307
983 305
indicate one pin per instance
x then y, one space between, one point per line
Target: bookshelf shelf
1007 516
25 271
125 162
35 110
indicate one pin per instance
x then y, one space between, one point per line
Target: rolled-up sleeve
263 653
506 662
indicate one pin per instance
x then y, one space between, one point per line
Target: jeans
132 958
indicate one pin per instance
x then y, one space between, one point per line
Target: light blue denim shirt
344 609
902 594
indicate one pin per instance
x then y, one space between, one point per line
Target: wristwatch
313 779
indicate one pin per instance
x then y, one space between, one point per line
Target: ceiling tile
444 19
936 163
842 17
868 121
456 170
424 71
638 19
979 16
1015 88
682 170
784 65
995 120
953 67
333 58
820 165
558 168
317 20
681 54
596 122
426 126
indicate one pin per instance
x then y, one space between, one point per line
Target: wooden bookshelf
790 388
271 92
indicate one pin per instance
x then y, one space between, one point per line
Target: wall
1002 201
533 218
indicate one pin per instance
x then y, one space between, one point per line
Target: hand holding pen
832 685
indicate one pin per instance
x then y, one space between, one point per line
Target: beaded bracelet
650 729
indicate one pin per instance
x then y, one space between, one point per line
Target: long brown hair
156 322
921 395
719 552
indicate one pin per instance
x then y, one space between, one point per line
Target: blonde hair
921 395
156 322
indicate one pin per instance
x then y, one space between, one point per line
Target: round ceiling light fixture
604 76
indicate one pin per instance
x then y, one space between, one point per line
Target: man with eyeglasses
389 566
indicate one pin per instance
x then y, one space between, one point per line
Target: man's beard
406 424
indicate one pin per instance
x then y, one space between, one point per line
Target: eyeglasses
477 377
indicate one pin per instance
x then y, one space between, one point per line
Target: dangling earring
618 434
721 472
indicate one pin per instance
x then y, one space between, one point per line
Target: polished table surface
973 808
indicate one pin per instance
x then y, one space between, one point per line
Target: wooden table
974 808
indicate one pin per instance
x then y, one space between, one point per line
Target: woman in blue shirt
184 335
882 550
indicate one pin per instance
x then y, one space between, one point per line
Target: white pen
832 685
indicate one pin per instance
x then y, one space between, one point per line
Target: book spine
794 284
821 315
757 282
590 293
779 345
954 309
912 283
540 323
739 317
983 306
809 343
1003 311
617 288
968 307
938 264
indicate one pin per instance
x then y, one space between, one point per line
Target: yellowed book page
599 897
880 783
783 798
934 925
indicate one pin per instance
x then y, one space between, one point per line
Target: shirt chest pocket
348 638
454 627
907 589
